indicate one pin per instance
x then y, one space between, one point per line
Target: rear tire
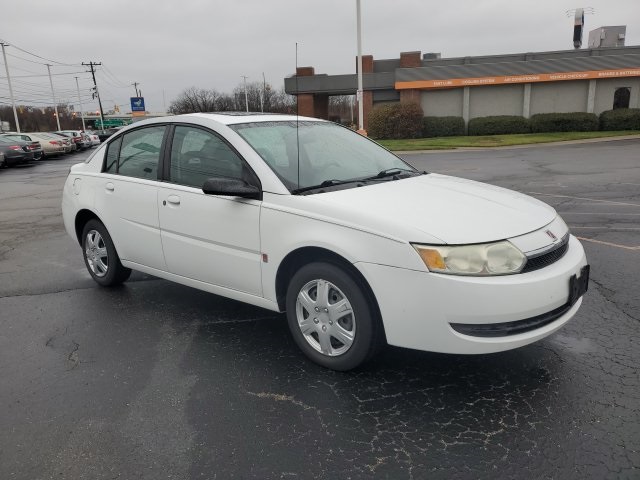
331 317
100 256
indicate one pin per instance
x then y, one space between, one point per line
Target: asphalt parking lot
156 380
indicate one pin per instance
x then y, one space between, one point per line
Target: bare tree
41 119
342 109
195 99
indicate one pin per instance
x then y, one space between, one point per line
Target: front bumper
419 308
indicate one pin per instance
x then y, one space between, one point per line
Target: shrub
396 120
620 119
564 122
499 124
442 126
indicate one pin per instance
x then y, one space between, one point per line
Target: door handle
110 186
173 199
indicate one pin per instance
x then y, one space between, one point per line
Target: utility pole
13 102
95 85
55 104
81 109
246 99
135 85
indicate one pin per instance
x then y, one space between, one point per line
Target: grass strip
443 143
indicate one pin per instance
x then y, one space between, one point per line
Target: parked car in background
16 152
52 145
93 137
305 216
34 143
68 144
77 137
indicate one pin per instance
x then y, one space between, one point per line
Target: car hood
453 210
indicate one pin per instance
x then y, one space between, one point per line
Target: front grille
545 259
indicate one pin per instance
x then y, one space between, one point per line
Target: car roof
231 118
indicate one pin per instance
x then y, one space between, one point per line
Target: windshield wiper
325 183
390 172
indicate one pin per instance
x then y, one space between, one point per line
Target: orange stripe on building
505 80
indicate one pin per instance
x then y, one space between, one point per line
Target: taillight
54 142
15 147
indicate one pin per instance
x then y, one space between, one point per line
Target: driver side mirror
231 187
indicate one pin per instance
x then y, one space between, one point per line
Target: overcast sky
169 45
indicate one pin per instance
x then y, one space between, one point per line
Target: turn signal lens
432 259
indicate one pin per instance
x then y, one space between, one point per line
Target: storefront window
621 97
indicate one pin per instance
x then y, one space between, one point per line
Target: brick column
410 60
306 103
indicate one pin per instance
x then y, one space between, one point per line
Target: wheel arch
82 217
305 255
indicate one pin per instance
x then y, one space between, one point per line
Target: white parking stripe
609 244
599 213
607 227
589 199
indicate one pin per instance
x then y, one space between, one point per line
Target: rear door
127 199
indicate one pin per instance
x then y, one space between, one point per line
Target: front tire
100 256
331 317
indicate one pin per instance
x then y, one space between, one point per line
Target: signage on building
502 80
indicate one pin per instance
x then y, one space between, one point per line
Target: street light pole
246 99
360 95
55 104
13 102
81 109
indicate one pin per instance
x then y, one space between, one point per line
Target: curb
512 147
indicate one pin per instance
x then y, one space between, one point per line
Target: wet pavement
156 380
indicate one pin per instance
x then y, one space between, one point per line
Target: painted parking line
601 214
609 244
608 228
610 202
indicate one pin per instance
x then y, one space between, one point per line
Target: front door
209 238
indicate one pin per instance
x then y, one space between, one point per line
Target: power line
116 79
38 56
44 75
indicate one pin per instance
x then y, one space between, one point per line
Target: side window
197 155
111 158
140 152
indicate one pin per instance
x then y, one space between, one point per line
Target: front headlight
500 258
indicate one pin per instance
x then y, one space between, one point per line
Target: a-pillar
312 104
410 60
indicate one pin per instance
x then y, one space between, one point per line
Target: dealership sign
137 106
531 78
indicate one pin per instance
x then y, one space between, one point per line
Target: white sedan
304 216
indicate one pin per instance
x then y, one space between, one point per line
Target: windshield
328 153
